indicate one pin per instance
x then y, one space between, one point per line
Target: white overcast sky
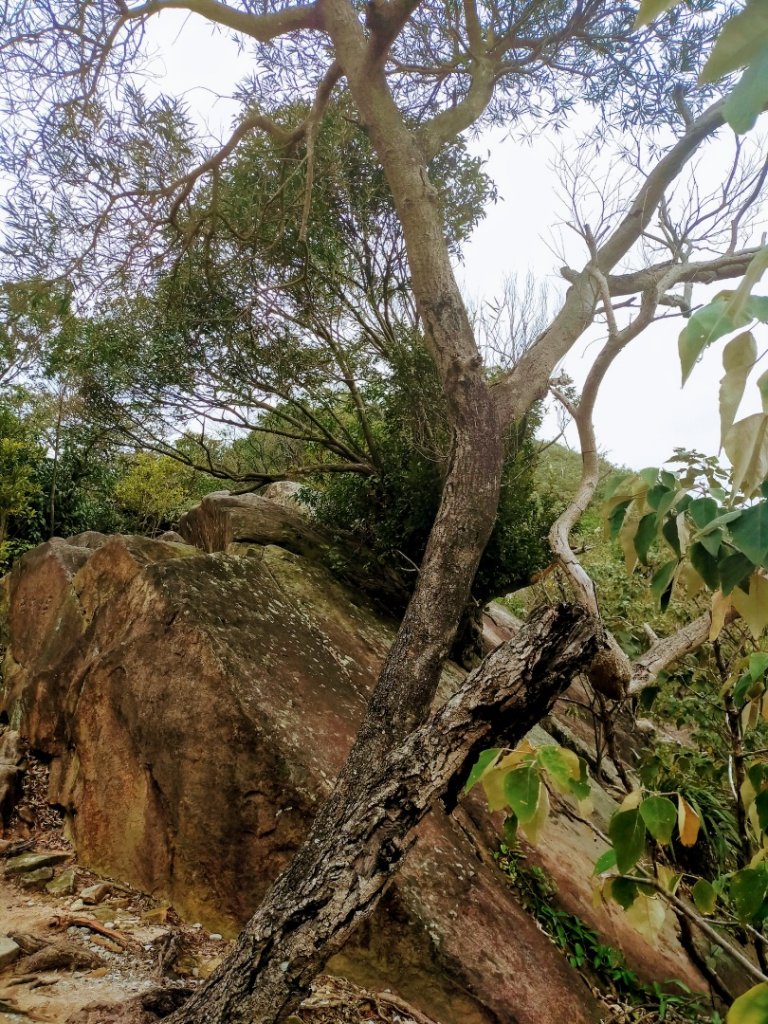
642 412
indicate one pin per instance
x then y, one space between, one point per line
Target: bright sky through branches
642 412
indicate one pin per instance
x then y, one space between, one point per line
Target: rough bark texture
362 833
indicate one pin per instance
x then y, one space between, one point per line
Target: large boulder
196 707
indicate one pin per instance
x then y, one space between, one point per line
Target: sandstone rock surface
196 707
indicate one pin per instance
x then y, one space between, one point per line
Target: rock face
196 708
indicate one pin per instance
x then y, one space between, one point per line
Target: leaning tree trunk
361 835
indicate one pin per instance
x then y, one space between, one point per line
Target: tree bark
361 835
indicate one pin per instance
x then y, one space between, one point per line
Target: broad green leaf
734 569
662 582
494 777
649 476
753 607
627 832
659 815
756 308
711 541
484 760
616 518
705 326
652 9
670 534
705 565
750 533
751 1008
761 806
758 665
623 891
561 765
605 862
688 822
748 98
739 357
746 445
647 915
657 494
702 511
741 40
741 688
521 788
747 889
704 896
645 536
535 823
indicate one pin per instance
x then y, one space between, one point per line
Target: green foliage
713 543
585 950
392 509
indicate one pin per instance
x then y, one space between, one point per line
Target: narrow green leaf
521 788
660 816
627 832
704 896
741 40
750 1008
750 533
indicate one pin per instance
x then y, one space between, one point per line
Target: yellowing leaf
740 41
631 800
746 445
627 541
739 357
688 822
668 879
704 896
721 605
688 579
652 9
751 1008
647 915
753 607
